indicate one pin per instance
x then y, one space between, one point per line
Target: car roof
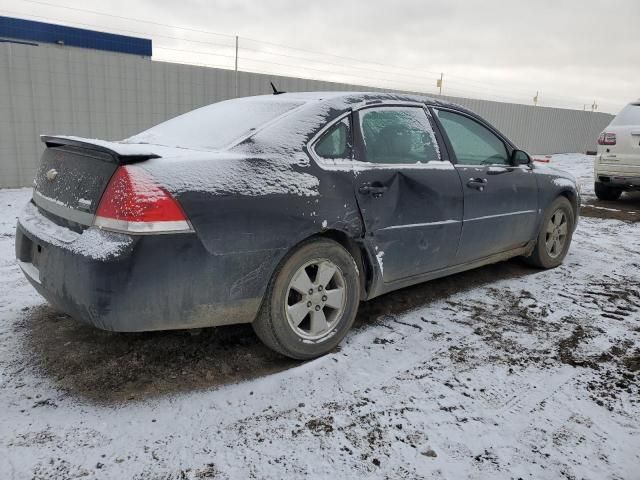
348 97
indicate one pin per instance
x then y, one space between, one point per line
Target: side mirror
520 157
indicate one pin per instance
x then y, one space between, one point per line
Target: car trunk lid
74 173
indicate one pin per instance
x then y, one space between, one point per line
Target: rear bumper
136 283
623 182
621 172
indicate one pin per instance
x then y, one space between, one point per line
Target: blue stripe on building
28 30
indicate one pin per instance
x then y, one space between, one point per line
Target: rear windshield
630 115
216 126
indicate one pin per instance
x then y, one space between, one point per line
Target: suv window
398 135
473 143
336 142
629 115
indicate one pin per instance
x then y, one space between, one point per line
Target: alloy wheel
556 233
315 299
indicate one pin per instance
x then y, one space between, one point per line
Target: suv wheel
607 193
311 302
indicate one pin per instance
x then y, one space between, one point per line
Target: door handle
375 190
477 183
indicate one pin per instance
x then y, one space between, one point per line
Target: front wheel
606 193
555 235
311 301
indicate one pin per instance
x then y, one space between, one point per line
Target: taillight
134 203
607 138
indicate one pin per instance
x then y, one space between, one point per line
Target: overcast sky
573 52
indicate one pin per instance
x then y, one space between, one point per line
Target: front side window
398 135
473 143
336 142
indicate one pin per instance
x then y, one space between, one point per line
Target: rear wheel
555 235
606 193
311 302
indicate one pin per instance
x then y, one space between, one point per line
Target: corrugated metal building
62 80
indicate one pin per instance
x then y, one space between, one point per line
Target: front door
500 200
410 197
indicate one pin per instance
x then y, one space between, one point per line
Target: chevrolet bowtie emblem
52 174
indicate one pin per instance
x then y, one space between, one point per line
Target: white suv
617 165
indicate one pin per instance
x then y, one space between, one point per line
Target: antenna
275 90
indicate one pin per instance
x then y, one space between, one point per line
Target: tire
607 193
551 246
290 320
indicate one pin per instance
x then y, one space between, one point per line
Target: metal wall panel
51 89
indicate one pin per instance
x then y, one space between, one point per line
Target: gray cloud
572 51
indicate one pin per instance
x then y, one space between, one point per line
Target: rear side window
473 143
630 115
396 135
216 126
336 142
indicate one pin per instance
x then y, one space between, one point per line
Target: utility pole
439 83
594 107
236 69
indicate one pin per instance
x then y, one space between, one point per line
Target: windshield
216 126
630 115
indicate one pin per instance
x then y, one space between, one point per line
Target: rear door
500 200
409 195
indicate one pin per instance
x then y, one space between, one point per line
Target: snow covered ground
503 372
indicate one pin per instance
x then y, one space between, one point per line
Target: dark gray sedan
284 211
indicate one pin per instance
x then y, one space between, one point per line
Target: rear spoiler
121 152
